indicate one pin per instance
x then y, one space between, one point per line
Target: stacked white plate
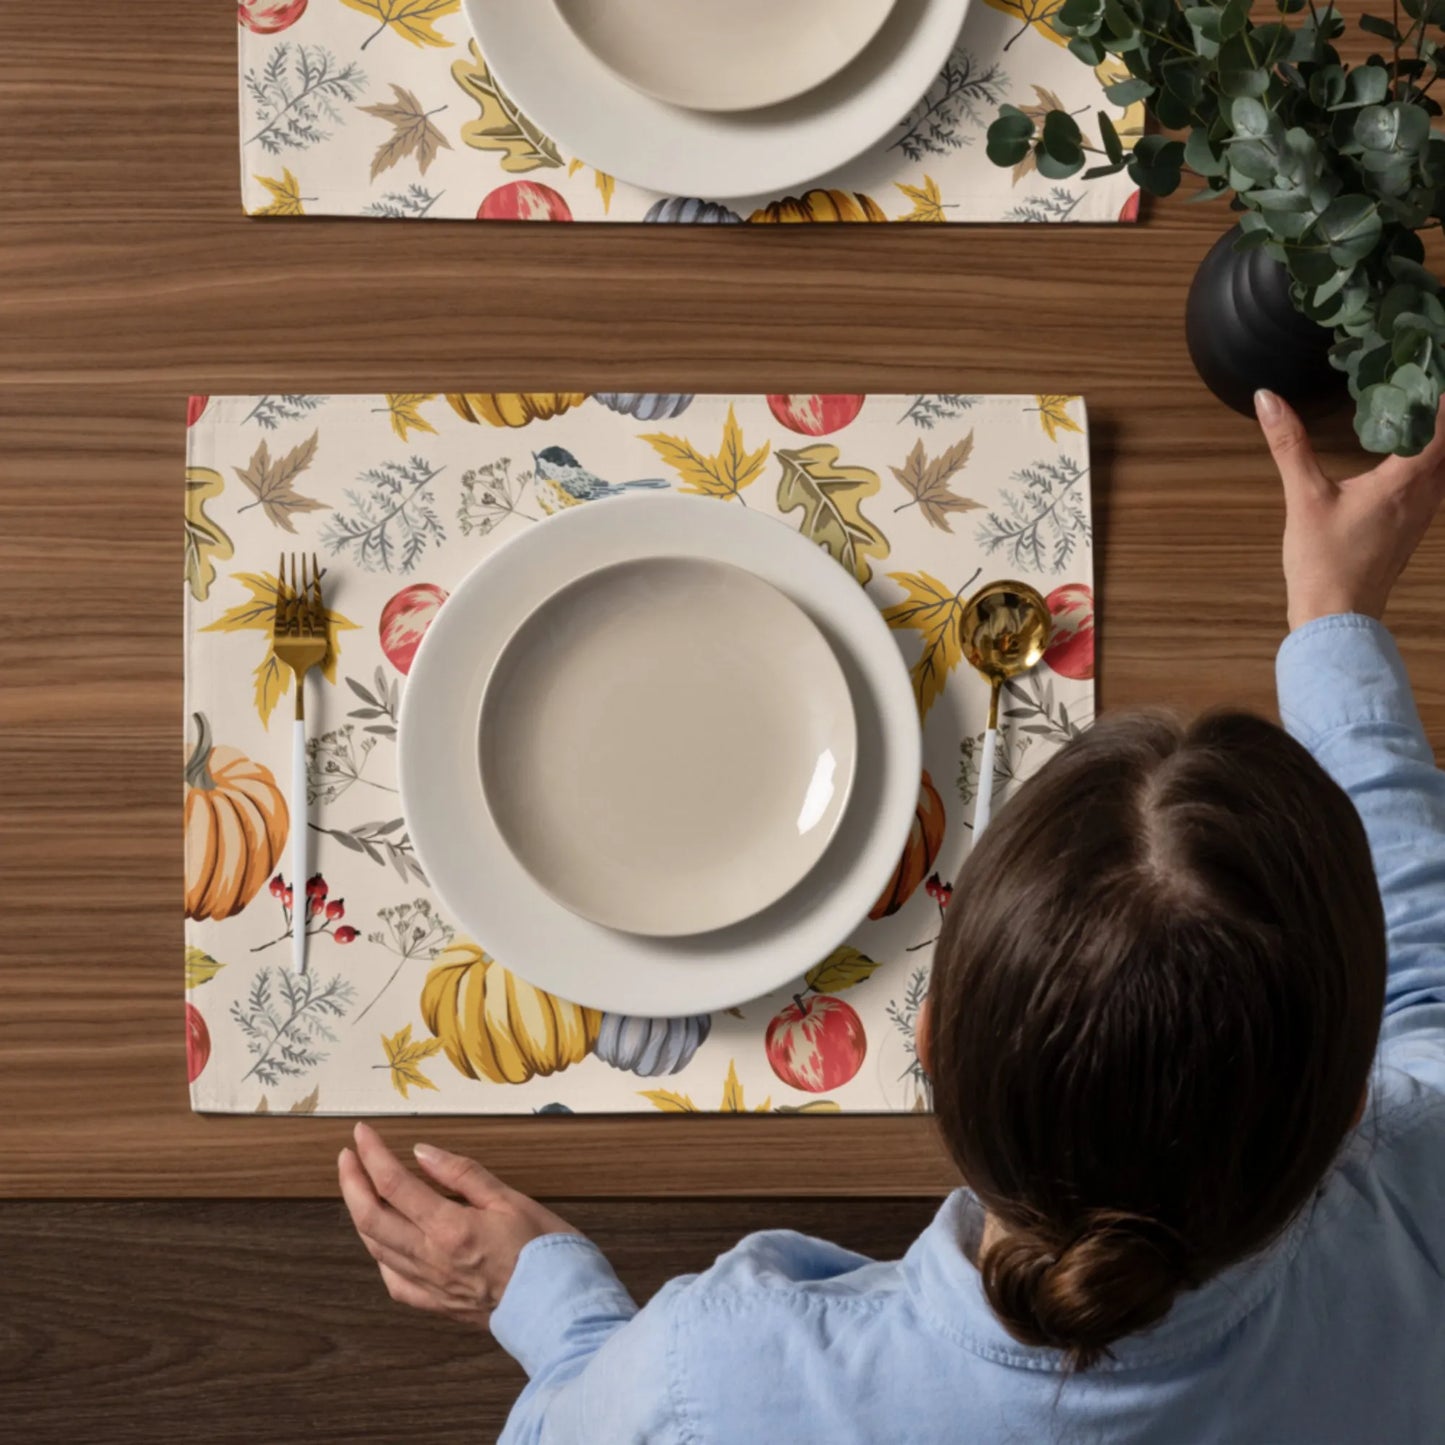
716 98
659 756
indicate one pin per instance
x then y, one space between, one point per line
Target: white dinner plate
567 91
488 894
725 54
667 745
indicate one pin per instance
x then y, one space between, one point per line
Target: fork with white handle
298 634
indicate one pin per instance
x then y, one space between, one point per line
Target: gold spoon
1004 630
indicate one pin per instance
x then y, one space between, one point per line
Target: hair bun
1119 1274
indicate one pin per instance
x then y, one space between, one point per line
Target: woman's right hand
1346 543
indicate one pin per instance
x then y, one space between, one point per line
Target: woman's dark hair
1154 1008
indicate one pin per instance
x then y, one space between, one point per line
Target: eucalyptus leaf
1126 92
1199 153
1350 226
1058 168
1253 158
1088 49
1251 118
1374 25
1113 146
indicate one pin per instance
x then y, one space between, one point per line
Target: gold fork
298 634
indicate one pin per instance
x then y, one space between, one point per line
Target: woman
1206 1184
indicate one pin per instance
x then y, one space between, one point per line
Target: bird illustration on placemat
562 481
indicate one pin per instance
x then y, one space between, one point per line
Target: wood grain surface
129 277
243 1321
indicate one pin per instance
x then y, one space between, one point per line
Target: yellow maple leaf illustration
402 407
286 196
669 1102
413 20
605 183
724 474
1054 416
932 611
1035 15
927 202
732 1098
404 1059
256 614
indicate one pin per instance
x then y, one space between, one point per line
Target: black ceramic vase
1244 333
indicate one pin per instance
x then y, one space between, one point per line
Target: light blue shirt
1335 1334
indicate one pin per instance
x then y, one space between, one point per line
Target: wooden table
129 277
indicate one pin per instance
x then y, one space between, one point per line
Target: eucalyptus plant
1334 169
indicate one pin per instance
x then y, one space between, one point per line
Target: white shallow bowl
667 745
724 54
571 95
488 893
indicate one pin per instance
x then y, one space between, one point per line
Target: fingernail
341 1157
1266 406
426 1153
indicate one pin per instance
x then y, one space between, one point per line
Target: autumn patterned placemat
387 108
922 498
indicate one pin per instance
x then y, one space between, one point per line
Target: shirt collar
949 1290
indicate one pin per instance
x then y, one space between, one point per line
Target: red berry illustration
934 887
198 1043
345 934
314 905
195 405
316 887
816 1043
278 886
288 897
945 895
336 910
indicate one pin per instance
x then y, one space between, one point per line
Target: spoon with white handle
1004 630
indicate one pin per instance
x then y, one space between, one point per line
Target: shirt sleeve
599 1368
1344 693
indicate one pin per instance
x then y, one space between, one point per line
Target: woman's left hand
452 1257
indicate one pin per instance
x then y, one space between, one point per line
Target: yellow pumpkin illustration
495 1025
236 824
513 408
820 205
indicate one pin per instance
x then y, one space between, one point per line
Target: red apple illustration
1129 211
195 405
1071 648
815 416
266 17
405 619
524 201
198 1043
816 1043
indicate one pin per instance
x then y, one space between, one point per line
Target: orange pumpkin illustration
236 824
820 205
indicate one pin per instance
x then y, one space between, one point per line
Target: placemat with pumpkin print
401 495
387 108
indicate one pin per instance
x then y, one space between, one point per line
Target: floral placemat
387 108
923 498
